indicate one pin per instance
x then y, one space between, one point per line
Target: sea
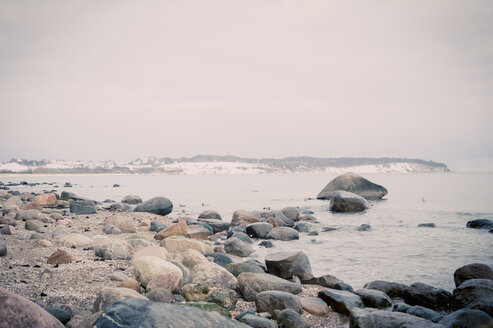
394 249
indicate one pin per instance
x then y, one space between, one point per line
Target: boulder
302 227
177 244
480 224
110 229
160 295
393 289
427 296
291 213
225 298
67 195
237 247
25 215
34 225
112 251
157 251
248 266
467 318
108 296
427 225
343 201
283 233
244 218
213 275
353 183
288 264
250 284
171 280
476 294
83 207
340 300
45 200
210 307
472 271
364 227
219 258
3 249
176 229
132 199
327 281
18 312
157 226
60 257
123 223
210 215
374 318
73 239
148 267
217 225
374 298
289 318
266 244
240 235
192 257
269 301
60 313
8 230
424 313
198 232
130 283
258 229
8 221
315 306
156 205
257 321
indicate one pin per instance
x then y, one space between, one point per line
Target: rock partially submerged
343 201
353 183
472 271
156 205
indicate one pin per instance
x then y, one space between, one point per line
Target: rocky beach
71 261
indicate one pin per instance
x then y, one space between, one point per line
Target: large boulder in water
480 224
374 318
427 296
343 201
354 183
156 205
472 271
288 264
476 294
133 312
18 312
467 318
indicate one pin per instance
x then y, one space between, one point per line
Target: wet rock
315 306
427 296
472 271
269 301
250 284
60 257
160 295
283 233
467 318
18 312
401 307
84 207
343 201
123 223
157 226
111 230
476 294
132 199
328 281
364 227
219 258
3 250
427 225
156 205
237 268
393 289
374 298
244 218
353 183
210 215
258 229
302 227
237 247
424 313
146 268
108 296
340 300
240 235
374 318
288 264
480 224
62 315
112 251
257 322
176 229
266 244
290 319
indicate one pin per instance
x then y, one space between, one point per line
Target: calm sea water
394 249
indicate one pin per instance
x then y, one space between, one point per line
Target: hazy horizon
118 80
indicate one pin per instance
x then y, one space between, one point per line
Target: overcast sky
120 80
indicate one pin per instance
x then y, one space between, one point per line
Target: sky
98 80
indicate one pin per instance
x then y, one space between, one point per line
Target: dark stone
424 313
220 258
374 318
476 294
66 195
3 249
353 183
313 233
258 229
467 318
130 312
157 226
302 227
210 215
328 281
160 295
156 205
283 233
266 244
472 271
374 298
238 247
250 284
241 236
257 322
217 225
62 315
288 264
132 199
116 185
427 296
83 207
427 225
290 319
480 224
202 224
343 201
248 266
291 213
401 307
393 289
364 227
269 301
341 301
